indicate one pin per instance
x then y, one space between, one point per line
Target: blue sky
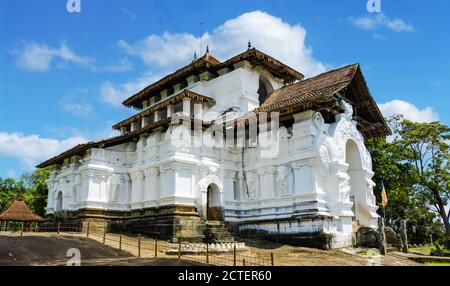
63 75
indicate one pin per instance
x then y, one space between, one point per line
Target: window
265 88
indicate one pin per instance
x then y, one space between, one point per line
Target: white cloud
122 65
378 20
267 33
76 103
408 110
167 52
30 150
39 57
115 94
81 109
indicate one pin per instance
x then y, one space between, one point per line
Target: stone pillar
144 122
136 186
267 179
140 148
164 94
228 185
382 234
242 187
404 235
223 71
177 87
186 106
169 110
157 116
134 126
304 177
192 79
151 191
206 75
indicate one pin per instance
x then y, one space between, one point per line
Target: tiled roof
314 88
312 93
19 211
209 63
164 103
323 89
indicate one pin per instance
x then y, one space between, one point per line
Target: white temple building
247 142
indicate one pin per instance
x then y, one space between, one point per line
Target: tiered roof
318 93
323 90
19 211
209 63
161 105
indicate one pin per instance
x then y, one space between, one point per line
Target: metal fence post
271 258
120 241
104 235
139 245
234 255
156 246
207 252
179 247
59 227
21 230
87 231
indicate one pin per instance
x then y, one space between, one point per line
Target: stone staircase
217 231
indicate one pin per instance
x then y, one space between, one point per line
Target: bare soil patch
285 255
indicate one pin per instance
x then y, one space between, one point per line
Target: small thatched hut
18 211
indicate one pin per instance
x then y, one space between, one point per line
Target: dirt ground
285 255
52 250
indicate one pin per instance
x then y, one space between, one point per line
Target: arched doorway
214 209
357 182
59 202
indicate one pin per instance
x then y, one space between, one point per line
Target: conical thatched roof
19 211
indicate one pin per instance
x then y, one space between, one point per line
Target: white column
134 126
228 185
304 177
268 182
144 122
242 187
157 115
186 106
169 110
136 186
151 191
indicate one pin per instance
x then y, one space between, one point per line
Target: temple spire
249 45
207 49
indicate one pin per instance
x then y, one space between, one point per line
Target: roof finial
195 55
207 49
249 45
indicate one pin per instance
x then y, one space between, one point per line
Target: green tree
37 190
10 190
427 150
415 169
30 188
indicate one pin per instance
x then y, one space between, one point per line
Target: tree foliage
414 167
30 188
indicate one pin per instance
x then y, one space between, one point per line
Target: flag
384 198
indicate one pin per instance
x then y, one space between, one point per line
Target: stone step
391 249
218 231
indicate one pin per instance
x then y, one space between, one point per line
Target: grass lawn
425 250
437 264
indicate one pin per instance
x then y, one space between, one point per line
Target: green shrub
440 250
